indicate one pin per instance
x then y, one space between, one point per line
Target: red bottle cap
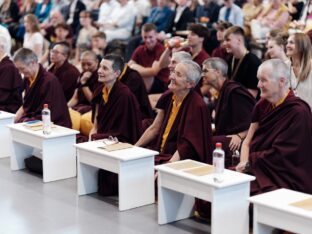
45 105
219 145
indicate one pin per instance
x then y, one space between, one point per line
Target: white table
58 153
273 209
134 166
5 119
229 204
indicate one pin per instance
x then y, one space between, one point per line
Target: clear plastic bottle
46 119
218 163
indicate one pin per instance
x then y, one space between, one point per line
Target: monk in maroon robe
134 81
116 113
66 73
11 85
41 87
280 153
233 108
86 83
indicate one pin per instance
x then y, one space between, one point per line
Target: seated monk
115 113
80 103
233 108
41 87
11 83
181 128
66 73
278 143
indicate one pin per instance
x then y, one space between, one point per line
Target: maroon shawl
46 89
280 151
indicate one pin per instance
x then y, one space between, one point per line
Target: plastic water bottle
46 119
218 163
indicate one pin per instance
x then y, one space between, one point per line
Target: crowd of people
161 74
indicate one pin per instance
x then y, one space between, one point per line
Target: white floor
29 206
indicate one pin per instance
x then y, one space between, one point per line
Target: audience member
232 13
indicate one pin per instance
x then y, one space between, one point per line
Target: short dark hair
99 34
149 27
63 26
118 62
199 30
236 30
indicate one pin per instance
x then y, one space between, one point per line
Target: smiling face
150 39
106 72
268 86
291 49
209 75
178 79
232 42
88 63
194 39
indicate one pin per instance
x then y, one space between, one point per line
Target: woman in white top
33 39
299 50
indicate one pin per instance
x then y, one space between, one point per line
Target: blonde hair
304 48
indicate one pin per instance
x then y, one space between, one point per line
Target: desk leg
59 158
87 179
259 228
5 138
136 183
172 205
229 210
20 152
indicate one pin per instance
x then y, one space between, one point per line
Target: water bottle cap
218 145
45 105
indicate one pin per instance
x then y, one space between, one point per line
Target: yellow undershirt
123 72
174 112
281 100
32 79
105 94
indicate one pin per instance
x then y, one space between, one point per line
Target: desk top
122 155
58 131
282 199
230 177
6 115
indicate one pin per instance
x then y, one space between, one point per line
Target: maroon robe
201 57
119 117
280 151
67 75
11 86
46 89
135 83
233 114
83 105
190 133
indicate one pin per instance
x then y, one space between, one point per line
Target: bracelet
240 137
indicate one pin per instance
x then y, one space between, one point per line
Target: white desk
134 166
5 119
229 204
58 153
273 209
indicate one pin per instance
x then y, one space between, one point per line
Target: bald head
89 61
277 68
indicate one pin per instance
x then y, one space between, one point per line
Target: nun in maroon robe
83 105
280 153
190 133
233 114
11 86
118 117
68 75
46 89
135 83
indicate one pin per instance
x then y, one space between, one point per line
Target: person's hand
85 77
241 166
235 142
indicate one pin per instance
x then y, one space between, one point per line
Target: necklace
291 85
238 65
